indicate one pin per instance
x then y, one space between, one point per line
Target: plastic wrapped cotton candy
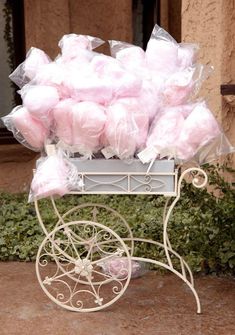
164 134
27 130
88 87
121 82
75 46
54 74
55 176
178 88
120 131
161 53
51 74
118 267
199 128
150 99
187 53
130 56
27 70
39 101
88 122
166 129
136 109
62 114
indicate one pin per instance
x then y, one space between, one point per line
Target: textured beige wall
45 23
212 24
170 17
104 18
209 23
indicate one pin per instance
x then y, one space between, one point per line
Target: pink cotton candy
50 179
161 56
35 58
118 267
178 88
88 122
136 110
32 131
127 85
27 70
121 82
54 74
120 131
131 57
198 129
166 129
62 114
39 100
90 88
78 46
50 74
150 99
187 55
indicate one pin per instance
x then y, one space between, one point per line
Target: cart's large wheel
69 266
103 214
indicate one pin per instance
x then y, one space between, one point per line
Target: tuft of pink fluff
178 87
62 114
88 87
32 130
161 56
88 122
166 129
120 131
121 82
187 55
136 110
199 128
40 100
118 267
27 70
50 179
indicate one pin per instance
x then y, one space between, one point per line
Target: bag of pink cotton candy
201 139
186 133
126 128
28 131
26 71
55 176
118 267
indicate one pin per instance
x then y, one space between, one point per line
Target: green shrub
201 228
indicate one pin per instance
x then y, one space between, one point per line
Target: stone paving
155 304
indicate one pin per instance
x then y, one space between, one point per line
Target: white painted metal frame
68 263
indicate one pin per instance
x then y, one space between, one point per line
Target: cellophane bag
118 267
28 130
133 103
27 70
55 176
186 132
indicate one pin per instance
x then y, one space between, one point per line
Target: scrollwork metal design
75 280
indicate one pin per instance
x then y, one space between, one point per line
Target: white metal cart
69 260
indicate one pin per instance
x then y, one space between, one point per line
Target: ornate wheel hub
83 267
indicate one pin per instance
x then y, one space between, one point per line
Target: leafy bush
201 228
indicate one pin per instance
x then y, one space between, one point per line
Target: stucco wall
212 24
47 21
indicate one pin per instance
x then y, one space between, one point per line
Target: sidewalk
152 305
